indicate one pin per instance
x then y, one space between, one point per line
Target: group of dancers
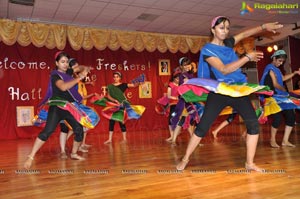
218 62
65 104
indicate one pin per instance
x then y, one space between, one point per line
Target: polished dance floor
144 167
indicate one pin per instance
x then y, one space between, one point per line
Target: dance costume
63 104
281 101
121 111
216 102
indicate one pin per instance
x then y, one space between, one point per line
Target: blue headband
278 52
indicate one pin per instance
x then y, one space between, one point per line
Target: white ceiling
187 17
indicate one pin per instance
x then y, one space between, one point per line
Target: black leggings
63 127
216 103
55 115
289 116
112 124
172 110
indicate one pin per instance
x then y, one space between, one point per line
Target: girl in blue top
273 77
219 61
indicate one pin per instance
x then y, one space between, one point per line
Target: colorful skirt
163 104
277 103
197 89
118 112
85 115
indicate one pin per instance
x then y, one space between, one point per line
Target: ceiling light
269 49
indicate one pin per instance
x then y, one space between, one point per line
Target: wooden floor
145 168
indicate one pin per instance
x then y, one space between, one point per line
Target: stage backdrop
24 75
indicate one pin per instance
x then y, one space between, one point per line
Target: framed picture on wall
145 90
25 115
164 67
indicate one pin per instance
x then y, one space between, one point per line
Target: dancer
166 104
61 90
219 61
172 95
65 131
273 77
183 110
116 95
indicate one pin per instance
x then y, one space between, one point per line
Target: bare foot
86 146
288 144
215 134
253 167
274 145
75 156
169 139
123 141
107 142
63 155
83 150
182 164
200 144
28 162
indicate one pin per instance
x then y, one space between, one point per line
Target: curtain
56 36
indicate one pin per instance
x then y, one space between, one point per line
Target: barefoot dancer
219 61
183 112
62 88
273 77
116 95
166 105
65 131
172 95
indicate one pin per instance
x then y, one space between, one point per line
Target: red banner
24 75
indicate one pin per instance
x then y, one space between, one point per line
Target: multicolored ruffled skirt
163 104
277 103
85 115
118 112
197 89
